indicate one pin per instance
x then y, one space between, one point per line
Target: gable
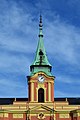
41 108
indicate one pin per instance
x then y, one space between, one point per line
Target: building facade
41 104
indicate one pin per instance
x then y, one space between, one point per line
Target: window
41 95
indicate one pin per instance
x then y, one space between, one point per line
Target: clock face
41 78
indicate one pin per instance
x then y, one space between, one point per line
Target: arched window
41 95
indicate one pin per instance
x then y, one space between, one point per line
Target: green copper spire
41 62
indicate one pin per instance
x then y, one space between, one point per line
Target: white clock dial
41 78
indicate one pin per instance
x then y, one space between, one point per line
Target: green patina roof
41 57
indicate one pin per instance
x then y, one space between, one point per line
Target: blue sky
19 20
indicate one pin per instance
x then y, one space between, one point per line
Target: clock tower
41 81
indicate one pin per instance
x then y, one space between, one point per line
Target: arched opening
41 95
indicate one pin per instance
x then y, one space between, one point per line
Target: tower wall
47 86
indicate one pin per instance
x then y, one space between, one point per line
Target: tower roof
41 57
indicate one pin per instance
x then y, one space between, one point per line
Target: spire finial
40 24
40 27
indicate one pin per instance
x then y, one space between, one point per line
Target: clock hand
42 77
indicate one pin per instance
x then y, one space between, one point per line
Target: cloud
67 79
11 88
16 35
63 41
16 27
